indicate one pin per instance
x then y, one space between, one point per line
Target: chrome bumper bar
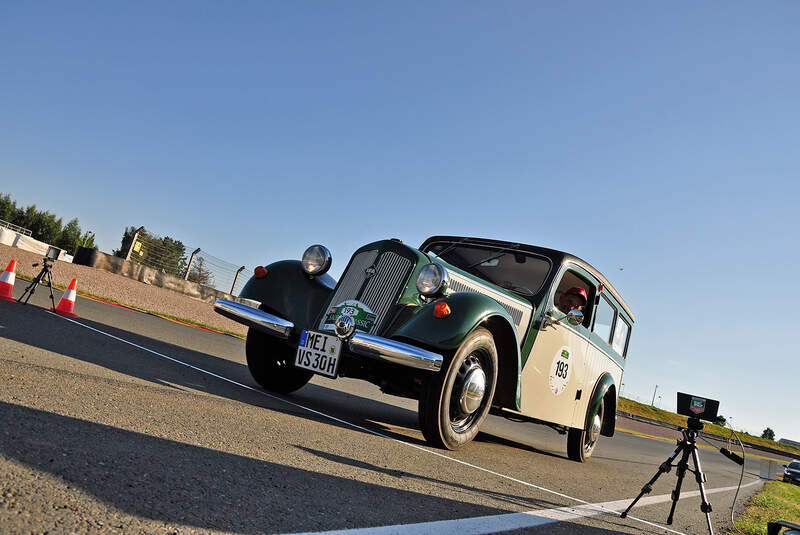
366 345
376 347
253 317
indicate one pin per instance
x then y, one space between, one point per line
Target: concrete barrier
147 275
26 243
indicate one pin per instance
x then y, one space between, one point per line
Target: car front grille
378 291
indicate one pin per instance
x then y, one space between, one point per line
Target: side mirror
575 317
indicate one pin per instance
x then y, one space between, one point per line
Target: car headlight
432 279
316 260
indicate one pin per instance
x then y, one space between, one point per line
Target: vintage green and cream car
467 326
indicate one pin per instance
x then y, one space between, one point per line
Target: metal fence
15 228
169 257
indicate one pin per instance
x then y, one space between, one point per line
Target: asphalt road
123 422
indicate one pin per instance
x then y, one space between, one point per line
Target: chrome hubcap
594 432
473 390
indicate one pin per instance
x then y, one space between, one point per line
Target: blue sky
658 138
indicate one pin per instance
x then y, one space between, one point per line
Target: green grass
646 411
776 501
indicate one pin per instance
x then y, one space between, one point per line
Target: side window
621 336
569 289
604 319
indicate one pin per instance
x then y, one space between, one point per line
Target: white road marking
484 525
537 518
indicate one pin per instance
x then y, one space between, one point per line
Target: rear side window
621 335
604 319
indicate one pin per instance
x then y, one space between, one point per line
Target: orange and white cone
7 279
67 303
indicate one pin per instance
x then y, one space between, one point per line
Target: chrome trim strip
253 317
519 310
368 345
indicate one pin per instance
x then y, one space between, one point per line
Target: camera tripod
44 273
686 446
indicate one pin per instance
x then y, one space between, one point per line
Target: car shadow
133 355
176 482
129 353
511 499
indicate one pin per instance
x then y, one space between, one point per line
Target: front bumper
363 344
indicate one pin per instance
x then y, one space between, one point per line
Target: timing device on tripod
696 408
47 264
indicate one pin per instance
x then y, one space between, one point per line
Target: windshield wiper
450 248
493 256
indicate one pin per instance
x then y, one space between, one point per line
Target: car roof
558 256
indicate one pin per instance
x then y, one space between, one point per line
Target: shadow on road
176 482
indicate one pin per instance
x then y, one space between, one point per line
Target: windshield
507 267
794 465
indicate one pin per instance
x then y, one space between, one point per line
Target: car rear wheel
271 363
455 402
582 442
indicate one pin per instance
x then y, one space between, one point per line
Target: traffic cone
67 303
7 279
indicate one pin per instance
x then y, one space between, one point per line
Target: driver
573 299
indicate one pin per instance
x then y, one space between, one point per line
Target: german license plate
318 352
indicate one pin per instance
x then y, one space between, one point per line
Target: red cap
577 290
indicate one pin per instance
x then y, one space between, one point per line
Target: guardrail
15 228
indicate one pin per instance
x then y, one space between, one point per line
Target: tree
721 420
127 238
70 236
768 433
200 273
165 254
43 225
7 208
87 240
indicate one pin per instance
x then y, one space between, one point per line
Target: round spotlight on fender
432 280
344 326
316 260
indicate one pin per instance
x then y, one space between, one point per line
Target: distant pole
191 261
659 402
621 386
652 403
235 278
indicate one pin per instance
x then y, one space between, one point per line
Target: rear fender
468 312
604 389
291 293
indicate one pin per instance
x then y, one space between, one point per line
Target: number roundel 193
560 371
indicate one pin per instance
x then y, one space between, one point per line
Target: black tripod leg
665 467
31 289
50 282
705 506
683 465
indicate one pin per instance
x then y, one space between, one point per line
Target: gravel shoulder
120 289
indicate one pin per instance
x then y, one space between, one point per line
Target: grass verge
170 317
647 411
776 501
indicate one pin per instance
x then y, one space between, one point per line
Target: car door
553 377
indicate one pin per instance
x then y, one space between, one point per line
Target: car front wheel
582 442
455 402
271 363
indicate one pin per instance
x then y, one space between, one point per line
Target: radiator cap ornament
344 326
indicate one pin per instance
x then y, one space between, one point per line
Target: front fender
290 293
468 311
601 388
